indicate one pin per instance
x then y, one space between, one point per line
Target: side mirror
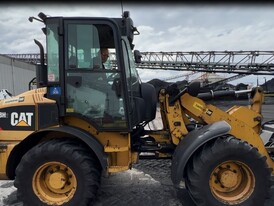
137 56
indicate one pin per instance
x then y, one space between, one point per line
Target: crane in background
242 63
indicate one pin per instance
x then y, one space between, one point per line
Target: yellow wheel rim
232 182
54 183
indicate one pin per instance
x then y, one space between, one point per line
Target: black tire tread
89 164
213 148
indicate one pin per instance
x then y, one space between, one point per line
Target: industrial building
15 75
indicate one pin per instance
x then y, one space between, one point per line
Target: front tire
58 172
228 171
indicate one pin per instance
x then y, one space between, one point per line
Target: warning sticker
198 106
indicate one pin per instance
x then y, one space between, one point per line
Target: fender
190 143
91 141
35 137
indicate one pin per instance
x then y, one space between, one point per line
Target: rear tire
228 171
58 172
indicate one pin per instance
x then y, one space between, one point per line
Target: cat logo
22 119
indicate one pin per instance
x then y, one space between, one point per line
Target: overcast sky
163 27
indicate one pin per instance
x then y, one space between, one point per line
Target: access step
117 168
115 149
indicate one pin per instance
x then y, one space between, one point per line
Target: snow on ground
6 188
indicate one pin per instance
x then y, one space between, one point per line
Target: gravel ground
148 183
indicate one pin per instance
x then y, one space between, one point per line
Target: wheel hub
57 180
232 182
228 179
54 183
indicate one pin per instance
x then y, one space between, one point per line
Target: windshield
132 76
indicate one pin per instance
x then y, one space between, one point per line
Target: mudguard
93 143
190 143
35 137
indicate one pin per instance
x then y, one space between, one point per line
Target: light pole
265 84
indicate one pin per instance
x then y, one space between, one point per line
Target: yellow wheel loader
84 121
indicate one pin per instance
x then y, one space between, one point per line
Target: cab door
93 90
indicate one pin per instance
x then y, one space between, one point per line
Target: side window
130 69
53 53
127 65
